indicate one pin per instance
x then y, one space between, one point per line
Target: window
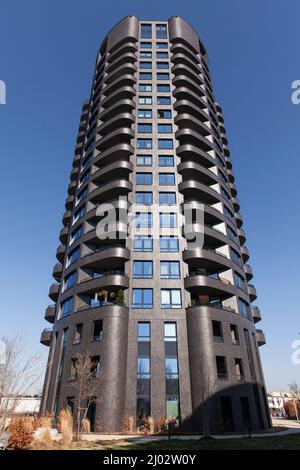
162 55
163 88
164 128
143 330
165 144
97 331
144 143
84 178
143 243
143 219
146 45
169 270
146 55
225 194
161 31
162 65
145 76
162 45
81 196
73 256
86 161
170 330
143 371
78 333
170 298
165 160
234 334
239 369
143 198
142 298
142 269
66 307
163 100
144 128
145 87
171 369
235 257
73 371
164 114
167 179
145 100
221 367
76 234
146 31
144 160
163 76
78 215
231 234
228 214
145 65
239 281
70 280
167 199
169 244
144 178
217 331
243 308
145 113
167 220
95 366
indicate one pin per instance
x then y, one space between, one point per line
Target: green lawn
272 442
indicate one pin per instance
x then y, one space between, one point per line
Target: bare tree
85 386
18 375
294 389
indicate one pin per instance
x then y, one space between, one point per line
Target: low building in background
28 406
284 404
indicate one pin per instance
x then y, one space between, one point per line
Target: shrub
21 430
161 424
151 424
66 426
86 425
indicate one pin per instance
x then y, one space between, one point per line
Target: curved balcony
181 69
212 237
126 58
54 291
182 49
90 286
119 107
124 69
260 337
256 314
184 93
238 219
115 137
123 49
236 204
74 173
181 58
80 136
125 92
120 231
118 204
208 310
121 120
248 272
187 136
184 106
63 235
57 271
230 176
186 120
117 152
226 150
76 161
233 189
193 190
60 253
50 313
121 82
190 152
252 292
108 256
111 190
72 188
78 148
241 235
224 138
245 253
204 285
228 163
119 169
190 170
67 217
203 258
184 81
69 202
46 337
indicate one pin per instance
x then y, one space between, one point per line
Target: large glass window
167 220
145 76
170 298
144 178
145 65
161 45
144 160
162 55
167 199
162 88
81 196
66 307
161 31
73 256
70 280
145 100
169 270
145 113
166 179
146 45
163 100
165 160
78 215
165 144
76 234
143 243
143 219
143 198
163 76
144 87
162 65
235 257
164 114
142 298
145 54
146 31
142 269
221 367
144 143
143 372
239 281
171 370
169 244
164 128
217 331
243 308
144 128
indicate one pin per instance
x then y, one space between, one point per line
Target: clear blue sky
48 51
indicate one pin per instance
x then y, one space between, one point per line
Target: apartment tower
169 326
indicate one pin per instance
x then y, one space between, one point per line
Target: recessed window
145 100
235 257
146 55
146 45
217 331
162 88
78 333
143 87
231 234
70 280
66 307
169 244
161 45
145 76
143 198
84 178
144 330
161 31
143 243
97 331
165 160
234 334
86 161
144 160
221 367
167 220
145 65
164 114
78 215
239 370
165 144
81 196
142 298
162 55
163 76
142 269
95 366
144 178
145 113
162 65
170 298
167 199
144 143
239 281
76 234
169 270
143 219
146 31
166 179
144 128
164 128
243 308
73 256
163 100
